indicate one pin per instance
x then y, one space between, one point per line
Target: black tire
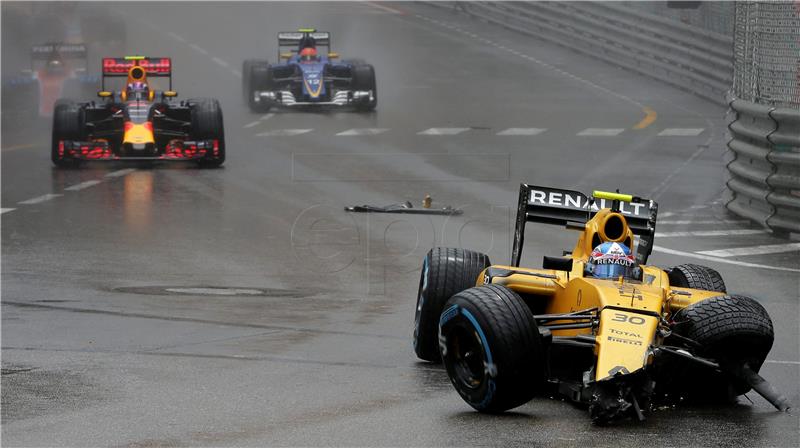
364 79
207 124
732 330
445 272
491 348
260 78
69 123
696 277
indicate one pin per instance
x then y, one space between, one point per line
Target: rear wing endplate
563 207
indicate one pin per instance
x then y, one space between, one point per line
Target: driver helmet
611 261
308 54
138 90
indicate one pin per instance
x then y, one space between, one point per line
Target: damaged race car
308 76
597 326
138 121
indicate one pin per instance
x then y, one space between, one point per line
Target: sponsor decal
575 200
623 340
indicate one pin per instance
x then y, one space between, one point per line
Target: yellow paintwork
138 133
612 196
628 310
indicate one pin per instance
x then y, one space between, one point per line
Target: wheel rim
467 355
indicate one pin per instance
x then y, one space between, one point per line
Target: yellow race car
598 326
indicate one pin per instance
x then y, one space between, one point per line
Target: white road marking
266 117
199 49
522 131
769 361
176 36
711 233
384 8
6 210
40 199
363 131
120 173
217 291
721 260
752 250
443 131
237 73
283 132
252 124
259 121
220 62
82 185
681 132
706 221
601 132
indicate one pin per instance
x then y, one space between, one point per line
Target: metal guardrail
763 167
684 56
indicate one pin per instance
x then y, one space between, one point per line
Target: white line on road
443 131
40 199
82 185
711 233
769 361
120 173
721 260
600 132
752 250
363 131
220 62
706 221
522 131
384 8
237 73
283 132
259 121
199 49
252 124
176 36
6 210
681 132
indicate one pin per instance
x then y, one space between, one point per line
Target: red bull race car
308 76
138 121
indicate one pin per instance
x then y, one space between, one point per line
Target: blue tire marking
480 333
448 314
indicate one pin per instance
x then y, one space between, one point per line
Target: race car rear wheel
207 124
69 123
696 276
260 79
491 348
445 272
364 80
733 330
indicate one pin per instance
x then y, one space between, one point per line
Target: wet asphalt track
315 349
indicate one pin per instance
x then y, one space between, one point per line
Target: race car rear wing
564 207
154 67
57 50
302 38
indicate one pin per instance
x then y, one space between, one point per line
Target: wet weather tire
207 124
696 277
445 272
732 330
364 80
69 122
491 348
259 77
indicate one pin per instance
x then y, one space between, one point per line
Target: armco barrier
764 165
681 55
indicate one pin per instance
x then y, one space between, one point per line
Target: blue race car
308 76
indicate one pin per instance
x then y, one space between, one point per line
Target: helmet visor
612 271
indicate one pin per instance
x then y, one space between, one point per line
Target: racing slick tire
445 272
364 79
733 330
69 122
696 277
259 77
207 124
491 348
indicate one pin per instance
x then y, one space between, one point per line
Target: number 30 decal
634 320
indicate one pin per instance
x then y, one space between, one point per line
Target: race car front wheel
491 348
732 330
696 276
364 80
207 124
445 272
68 124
